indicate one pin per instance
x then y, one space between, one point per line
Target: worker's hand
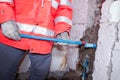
63 36
10 29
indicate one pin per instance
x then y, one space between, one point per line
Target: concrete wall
107 60
83 18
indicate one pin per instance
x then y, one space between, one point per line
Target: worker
47 18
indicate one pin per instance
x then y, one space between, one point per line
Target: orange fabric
6 12
63 11
31 12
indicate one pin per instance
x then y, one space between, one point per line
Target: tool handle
86 45
51 39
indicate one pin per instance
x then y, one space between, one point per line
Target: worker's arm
9 27
63 17
6 10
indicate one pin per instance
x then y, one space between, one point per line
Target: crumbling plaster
106 64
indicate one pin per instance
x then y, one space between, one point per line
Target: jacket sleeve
6 10
63 17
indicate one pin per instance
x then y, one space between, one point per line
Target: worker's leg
9 59
40 65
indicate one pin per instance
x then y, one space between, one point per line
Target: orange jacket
36 17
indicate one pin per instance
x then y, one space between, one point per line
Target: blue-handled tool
87 45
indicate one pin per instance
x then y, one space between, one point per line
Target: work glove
63 36
11 30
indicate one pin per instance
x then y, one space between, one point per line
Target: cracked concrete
107 54
115 58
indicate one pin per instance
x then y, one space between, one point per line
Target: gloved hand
10 30
63 36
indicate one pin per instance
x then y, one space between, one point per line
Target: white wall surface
107 61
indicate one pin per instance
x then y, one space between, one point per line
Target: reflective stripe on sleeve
6 0
54 4
63 19
35 29
65 2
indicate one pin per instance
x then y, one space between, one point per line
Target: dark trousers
10 58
